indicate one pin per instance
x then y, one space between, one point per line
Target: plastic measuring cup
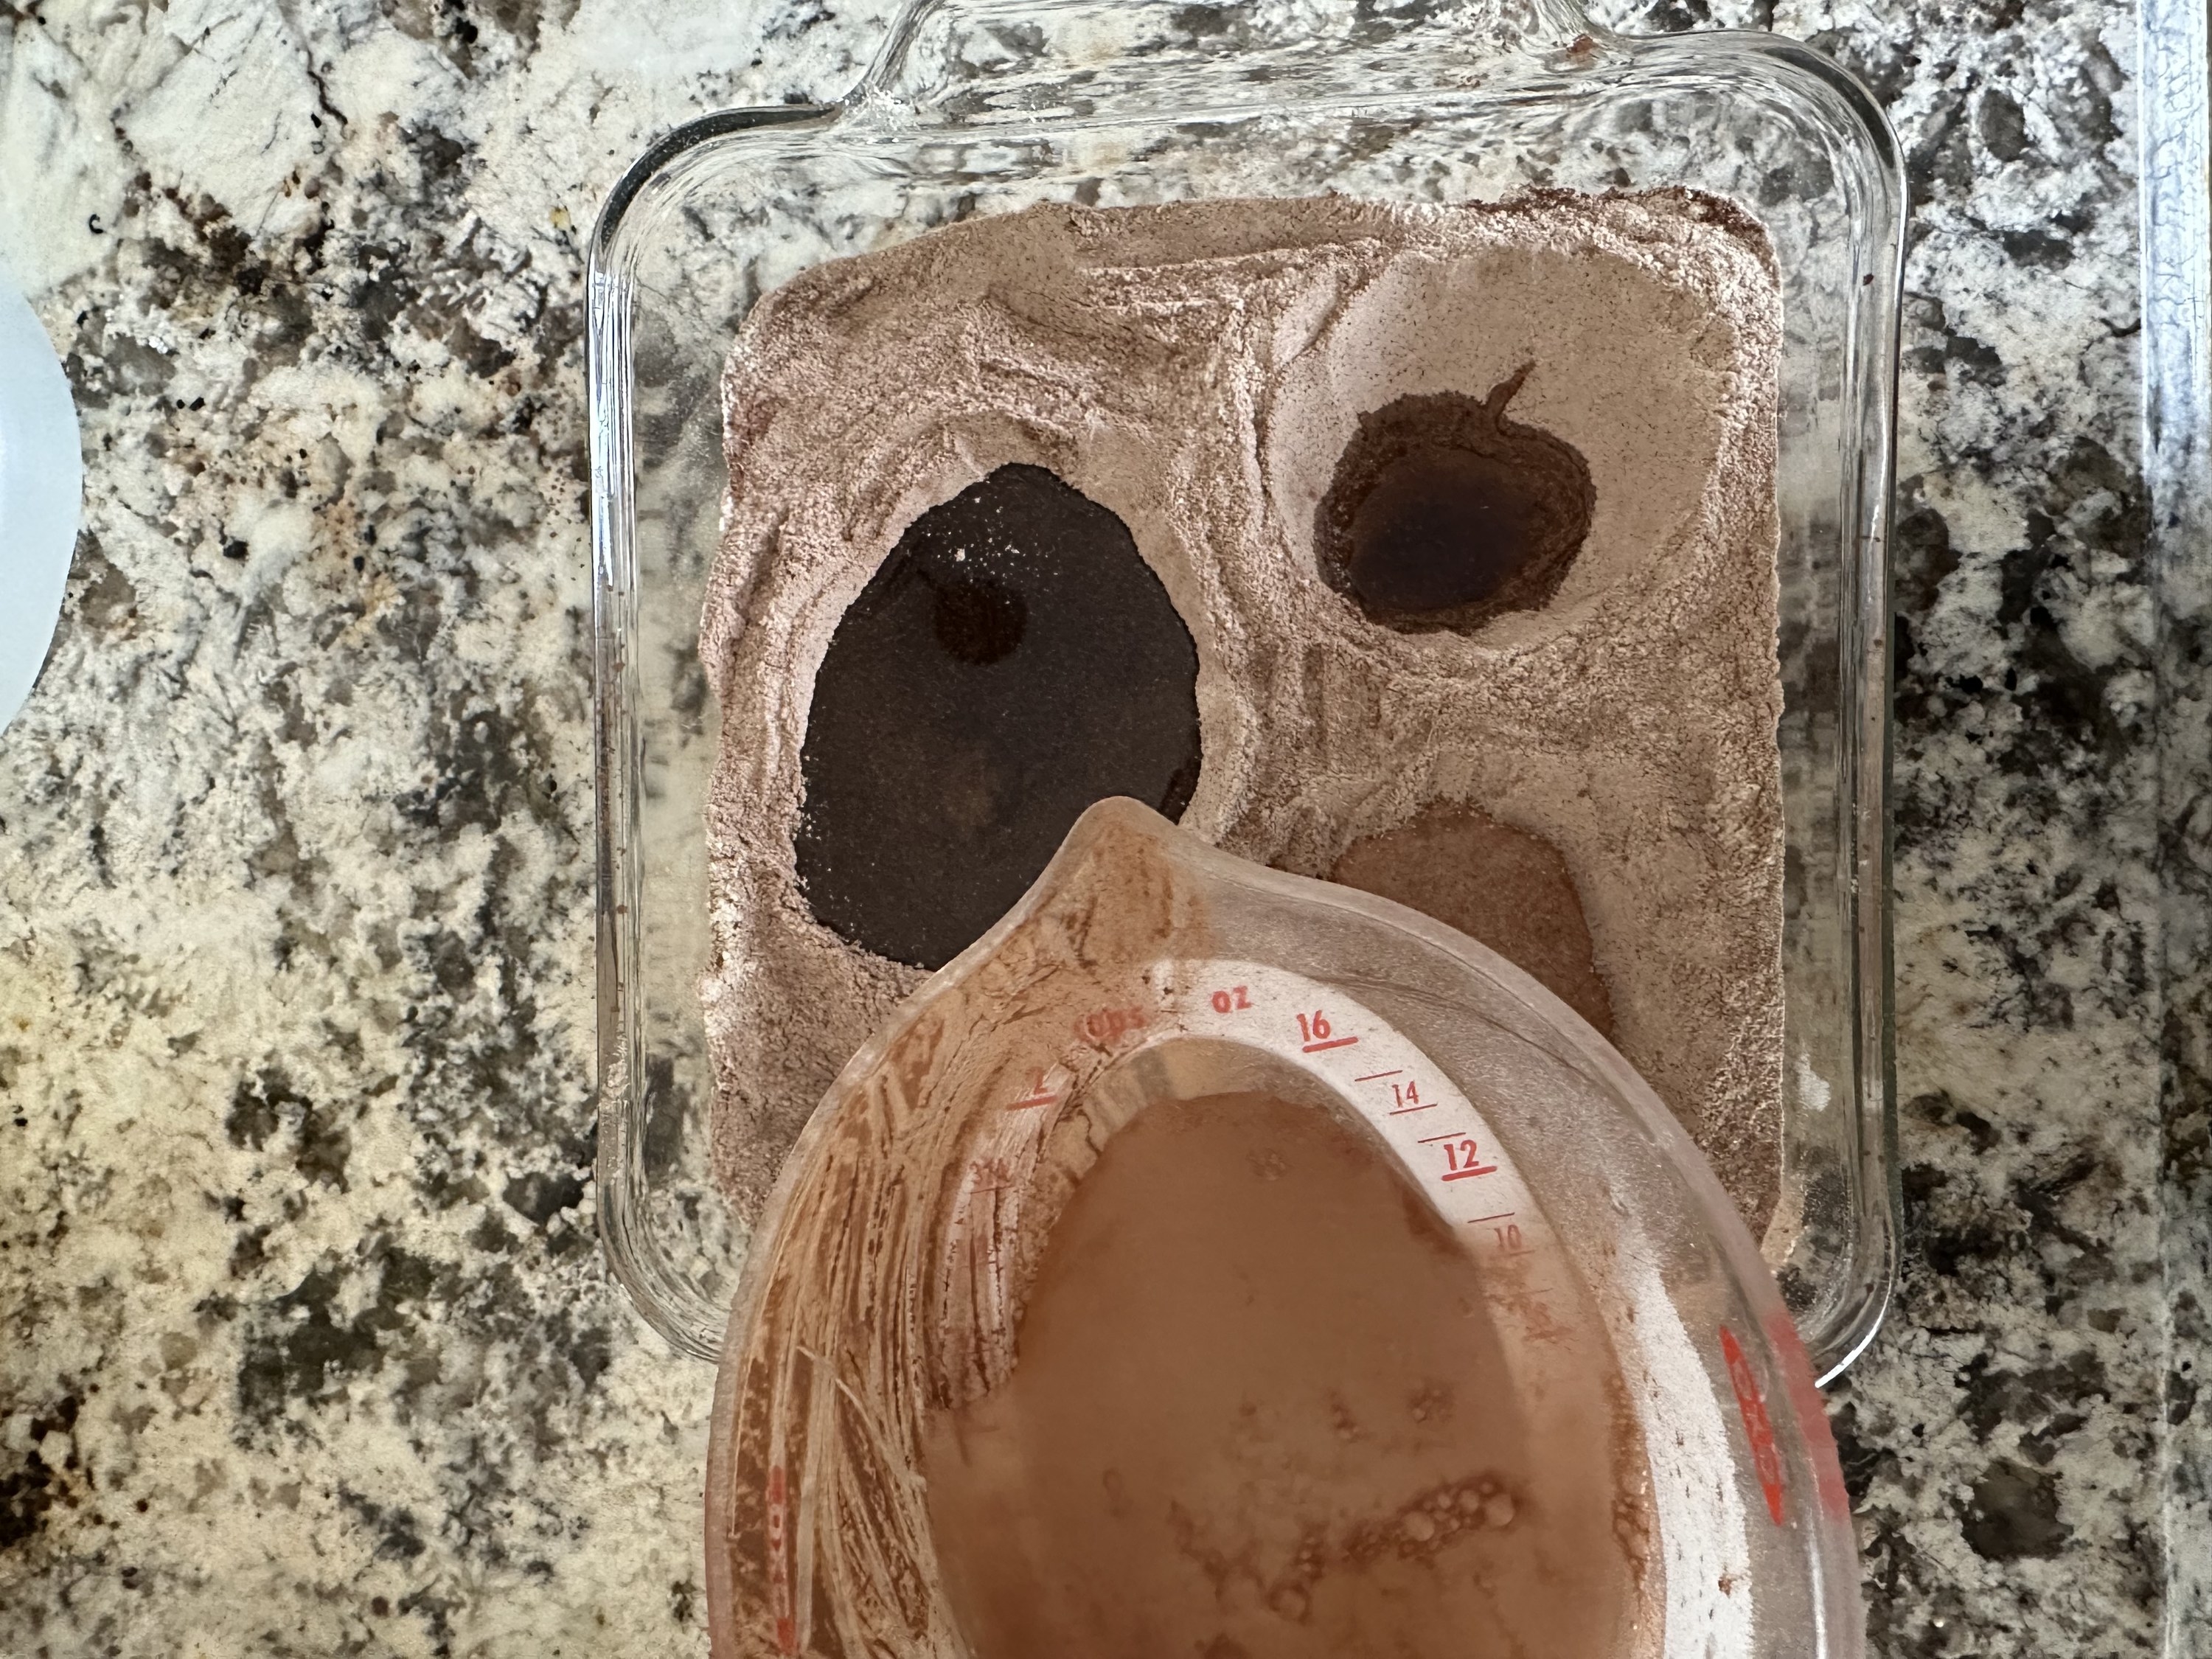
893 1258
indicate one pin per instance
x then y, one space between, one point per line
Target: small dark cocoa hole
1507 887
1442 513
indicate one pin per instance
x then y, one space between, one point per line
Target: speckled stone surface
306 1346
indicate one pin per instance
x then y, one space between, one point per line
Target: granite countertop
307 1344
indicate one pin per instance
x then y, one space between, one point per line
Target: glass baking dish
978 108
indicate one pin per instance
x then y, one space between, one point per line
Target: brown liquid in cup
1260 1410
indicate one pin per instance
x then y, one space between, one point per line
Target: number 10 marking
1508 1235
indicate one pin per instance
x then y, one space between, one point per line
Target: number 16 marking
1313 1034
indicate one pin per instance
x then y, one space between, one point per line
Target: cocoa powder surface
1199 370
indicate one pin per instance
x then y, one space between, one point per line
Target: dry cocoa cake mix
1184 388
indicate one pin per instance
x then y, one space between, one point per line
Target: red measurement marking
1461 1152
1229 1002
1469 1175
1372 1076
1430 1140
1811 1413
1509 1237
1314 1034
1756 1427
779 1563
1406 1111
1039 1094
1501 1216
1107 1024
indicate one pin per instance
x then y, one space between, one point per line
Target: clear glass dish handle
1018 53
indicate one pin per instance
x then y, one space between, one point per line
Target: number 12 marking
1463 1162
